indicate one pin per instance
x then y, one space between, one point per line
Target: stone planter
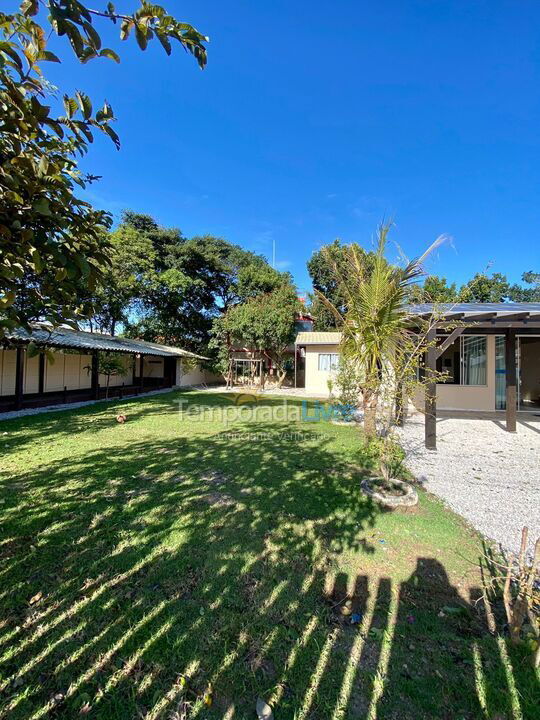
404 494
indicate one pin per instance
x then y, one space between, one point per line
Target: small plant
110 365
518 583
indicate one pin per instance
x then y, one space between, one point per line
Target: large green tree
531 291
51 241
483 288
265 323
322 267
434 289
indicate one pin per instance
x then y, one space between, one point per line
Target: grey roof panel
81 340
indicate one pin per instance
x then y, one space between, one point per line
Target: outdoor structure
249 367
66 368
490 353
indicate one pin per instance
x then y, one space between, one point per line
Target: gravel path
489 476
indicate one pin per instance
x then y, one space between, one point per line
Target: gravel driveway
489 476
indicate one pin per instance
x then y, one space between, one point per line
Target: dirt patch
214 477
217 499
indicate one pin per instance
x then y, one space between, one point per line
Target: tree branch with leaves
51 241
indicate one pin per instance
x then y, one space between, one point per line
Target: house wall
317 380
69 370
449 397
188 374
467 397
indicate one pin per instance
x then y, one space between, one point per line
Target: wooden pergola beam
448 341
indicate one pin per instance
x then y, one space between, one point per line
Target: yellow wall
317 380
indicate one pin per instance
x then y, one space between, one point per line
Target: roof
81 340
479 311
318 338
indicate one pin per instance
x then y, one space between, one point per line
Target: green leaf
164 40
108 53
70 105
41 206
29 7
93 35
140 34
85 104
111 133
49 56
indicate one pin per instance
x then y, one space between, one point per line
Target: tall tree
322 268
51 241
482 288
518 293
265 324
376 326
434 290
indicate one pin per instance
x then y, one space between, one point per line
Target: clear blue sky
313 120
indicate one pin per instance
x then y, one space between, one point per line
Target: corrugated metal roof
507 307
318 338
498 311
82 340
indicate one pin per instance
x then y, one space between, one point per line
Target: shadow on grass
142 582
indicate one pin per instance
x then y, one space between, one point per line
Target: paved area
489 476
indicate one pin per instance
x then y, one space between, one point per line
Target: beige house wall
69 370
449 397
467 397
317 380
188 374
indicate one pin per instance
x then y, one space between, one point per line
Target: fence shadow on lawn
149 575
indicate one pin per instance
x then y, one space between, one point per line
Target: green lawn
144 565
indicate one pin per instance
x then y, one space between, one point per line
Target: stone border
409 499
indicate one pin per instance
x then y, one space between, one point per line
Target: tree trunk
107 388
281 377
369 399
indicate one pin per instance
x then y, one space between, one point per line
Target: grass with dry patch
171 568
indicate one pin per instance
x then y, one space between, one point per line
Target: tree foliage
51 241
265 323
322 267
376 327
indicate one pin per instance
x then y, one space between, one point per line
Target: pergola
506 319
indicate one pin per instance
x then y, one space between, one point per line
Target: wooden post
19 377
431 393
511 377
141 376
41 379
95 375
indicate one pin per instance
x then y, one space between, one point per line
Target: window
465 361
328 361
473 360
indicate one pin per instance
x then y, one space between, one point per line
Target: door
500 373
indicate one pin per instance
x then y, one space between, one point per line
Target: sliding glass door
500 372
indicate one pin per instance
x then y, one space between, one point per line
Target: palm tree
377 333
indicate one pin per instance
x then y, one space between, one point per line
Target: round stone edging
408 500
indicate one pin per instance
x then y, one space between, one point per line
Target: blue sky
314 120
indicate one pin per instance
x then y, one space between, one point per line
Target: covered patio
489 371
64 367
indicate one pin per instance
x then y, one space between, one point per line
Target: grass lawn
171 568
